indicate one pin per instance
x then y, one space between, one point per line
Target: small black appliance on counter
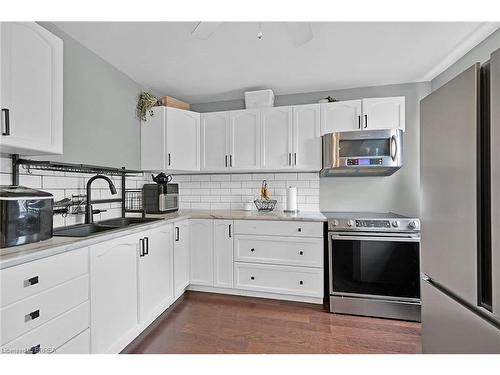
162 197
26 215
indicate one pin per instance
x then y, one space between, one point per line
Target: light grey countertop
16 255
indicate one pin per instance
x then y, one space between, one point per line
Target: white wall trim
477 36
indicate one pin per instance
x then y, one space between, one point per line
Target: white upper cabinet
170 140
31 83
244 139
153 138
384 113
307 137
277 131
364 114
223 253
340 116
215 141
183 140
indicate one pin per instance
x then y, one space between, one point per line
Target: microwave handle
394 147
335 150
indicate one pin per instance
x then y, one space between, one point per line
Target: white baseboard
247 293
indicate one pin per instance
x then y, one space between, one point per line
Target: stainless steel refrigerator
460 186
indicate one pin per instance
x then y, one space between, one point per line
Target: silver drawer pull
34 280
301 282
301 252
32 315
252 278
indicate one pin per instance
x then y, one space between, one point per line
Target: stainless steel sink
121 222
84 230
81 230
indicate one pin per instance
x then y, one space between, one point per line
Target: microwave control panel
364 161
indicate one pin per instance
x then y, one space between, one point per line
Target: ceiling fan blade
300 32
204 30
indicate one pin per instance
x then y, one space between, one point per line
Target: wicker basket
265 205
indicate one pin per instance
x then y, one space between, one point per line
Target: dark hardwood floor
215 323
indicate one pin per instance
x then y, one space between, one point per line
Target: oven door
370 266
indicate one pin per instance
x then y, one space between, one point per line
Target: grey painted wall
399 192
480 53
100 126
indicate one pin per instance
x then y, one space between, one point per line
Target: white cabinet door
113 292
276 145
215 141
153 137
245 133
223 253
31 60
155 272
183 140
201 256
384 113
340 116
307 137
181 257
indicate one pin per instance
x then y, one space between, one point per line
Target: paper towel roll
291 199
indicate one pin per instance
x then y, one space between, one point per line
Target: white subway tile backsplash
235 191
285 176
259 176
60 182
200 206
220 177
201 177
308 176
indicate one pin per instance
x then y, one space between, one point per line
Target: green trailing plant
144 104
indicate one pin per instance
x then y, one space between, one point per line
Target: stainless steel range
374 264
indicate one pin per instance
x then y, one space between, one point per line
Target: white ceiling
164 57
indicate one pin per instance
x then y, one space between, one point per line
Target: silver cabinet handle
359 121
366 121
7 121
230 160
168 159
289 158
394 148
294 158
141 247
225 160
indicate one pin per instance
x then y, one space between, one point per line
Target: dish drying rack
131 199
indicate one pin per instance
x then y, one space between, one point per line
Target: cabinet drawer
53 334
34 277
32 312
77 345
299 281
279 228
291 251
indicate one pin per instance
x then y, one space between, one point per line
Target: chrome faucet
89 216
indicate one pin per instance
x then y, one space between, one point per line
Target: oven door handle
336 236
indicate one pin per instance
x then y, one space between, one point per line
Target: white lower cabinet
202 252
113 285
300 281
223 253
52 335
181 257
279 250
155 272
77 345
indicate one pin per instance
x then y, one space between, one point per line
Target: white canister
291 199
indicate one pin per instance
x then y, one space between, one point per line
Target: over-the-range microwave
362 153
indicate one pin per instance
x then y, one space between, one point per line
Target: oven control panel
373 224
396 224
